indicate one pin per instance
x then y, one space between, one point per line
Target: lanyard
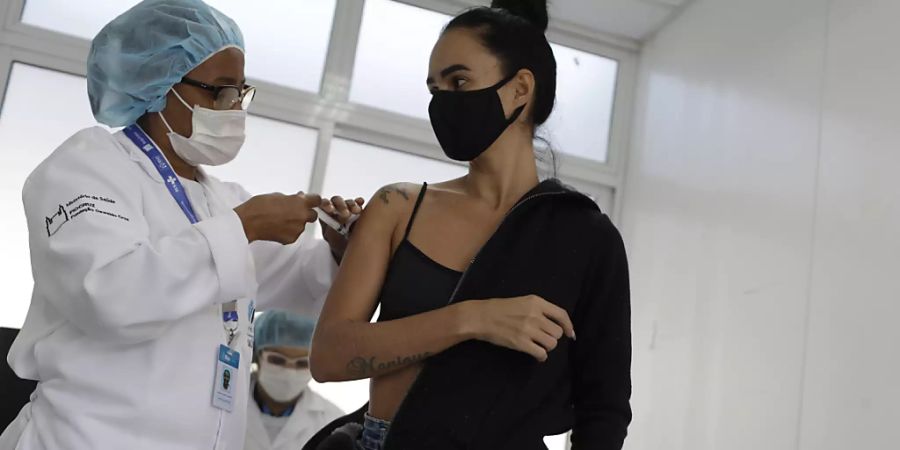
230 320
137 135
268 411
143 142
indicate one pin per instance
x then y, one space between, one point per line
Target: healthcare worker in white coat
147 270
284 413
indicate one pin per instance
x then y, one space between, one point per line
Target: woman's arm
346 346
602 384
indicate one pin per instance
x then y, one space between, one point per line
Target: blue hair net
140 55
282 329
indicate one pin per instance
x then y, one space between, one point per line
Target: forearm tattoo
365 368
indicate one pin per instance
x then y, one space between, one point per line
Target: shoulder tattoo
388 192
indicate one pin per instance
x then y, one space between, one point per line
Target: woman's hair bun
534 11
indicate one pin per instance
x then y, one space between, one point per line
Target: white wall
852 386
762 216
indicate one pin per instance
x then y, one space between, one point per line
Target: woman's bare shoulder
386 207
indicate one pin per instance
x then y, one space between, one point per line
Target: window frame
330 111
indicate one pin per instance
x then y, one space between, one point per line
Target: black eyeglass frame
245 93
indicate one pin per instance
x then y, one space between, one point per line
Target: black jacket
557 244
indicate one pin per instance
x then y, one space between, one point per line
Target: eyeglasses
227 95
277 359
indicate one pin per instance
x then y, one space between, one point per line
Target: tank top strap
412 218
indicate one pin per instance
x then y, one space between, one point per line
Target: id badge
226 378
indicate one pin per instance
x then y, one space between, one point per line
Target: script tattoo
385 193
364 368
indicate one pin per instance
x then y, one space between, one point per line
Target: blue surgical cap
282 329
140 55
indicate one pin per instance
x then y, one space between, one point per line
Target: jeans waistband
374 433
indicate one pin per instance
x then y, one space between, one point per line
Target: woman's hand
527 324
342 210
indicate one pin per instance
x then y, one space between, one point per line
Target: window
30 131
350 171
277 157
381 77
286 39
70 18
585 90
585 82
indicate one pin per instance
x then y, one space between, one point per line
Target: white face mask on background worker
281 344
283 378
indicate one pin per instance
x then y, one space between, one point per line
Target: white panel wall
762 214
718 217
852 388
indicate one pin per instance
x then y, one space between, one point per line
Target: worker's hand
527 324
277 217
342 211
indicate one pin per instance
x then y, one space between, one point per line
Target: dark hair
513 30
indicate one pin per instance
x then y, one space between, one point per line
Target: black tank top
415 283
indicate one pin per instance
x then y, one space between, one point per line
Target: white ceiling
634 19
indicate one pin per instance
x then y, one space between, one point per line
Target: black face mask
466 123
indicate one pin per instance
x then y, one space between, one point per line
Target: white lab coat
311 414
125 319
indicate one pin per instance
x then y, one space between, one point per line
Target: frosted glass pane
356 169
586 85
29 132
277 157
383 80
69 17
286 39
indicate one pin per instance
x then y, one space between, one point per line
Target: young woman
485 280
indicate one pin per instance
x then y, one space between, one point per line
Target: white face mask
217 137
281 383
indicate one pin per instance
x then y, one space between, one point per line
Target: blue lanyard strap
143 142
268 411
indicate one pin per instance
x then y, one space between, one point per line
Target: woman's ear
524 85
